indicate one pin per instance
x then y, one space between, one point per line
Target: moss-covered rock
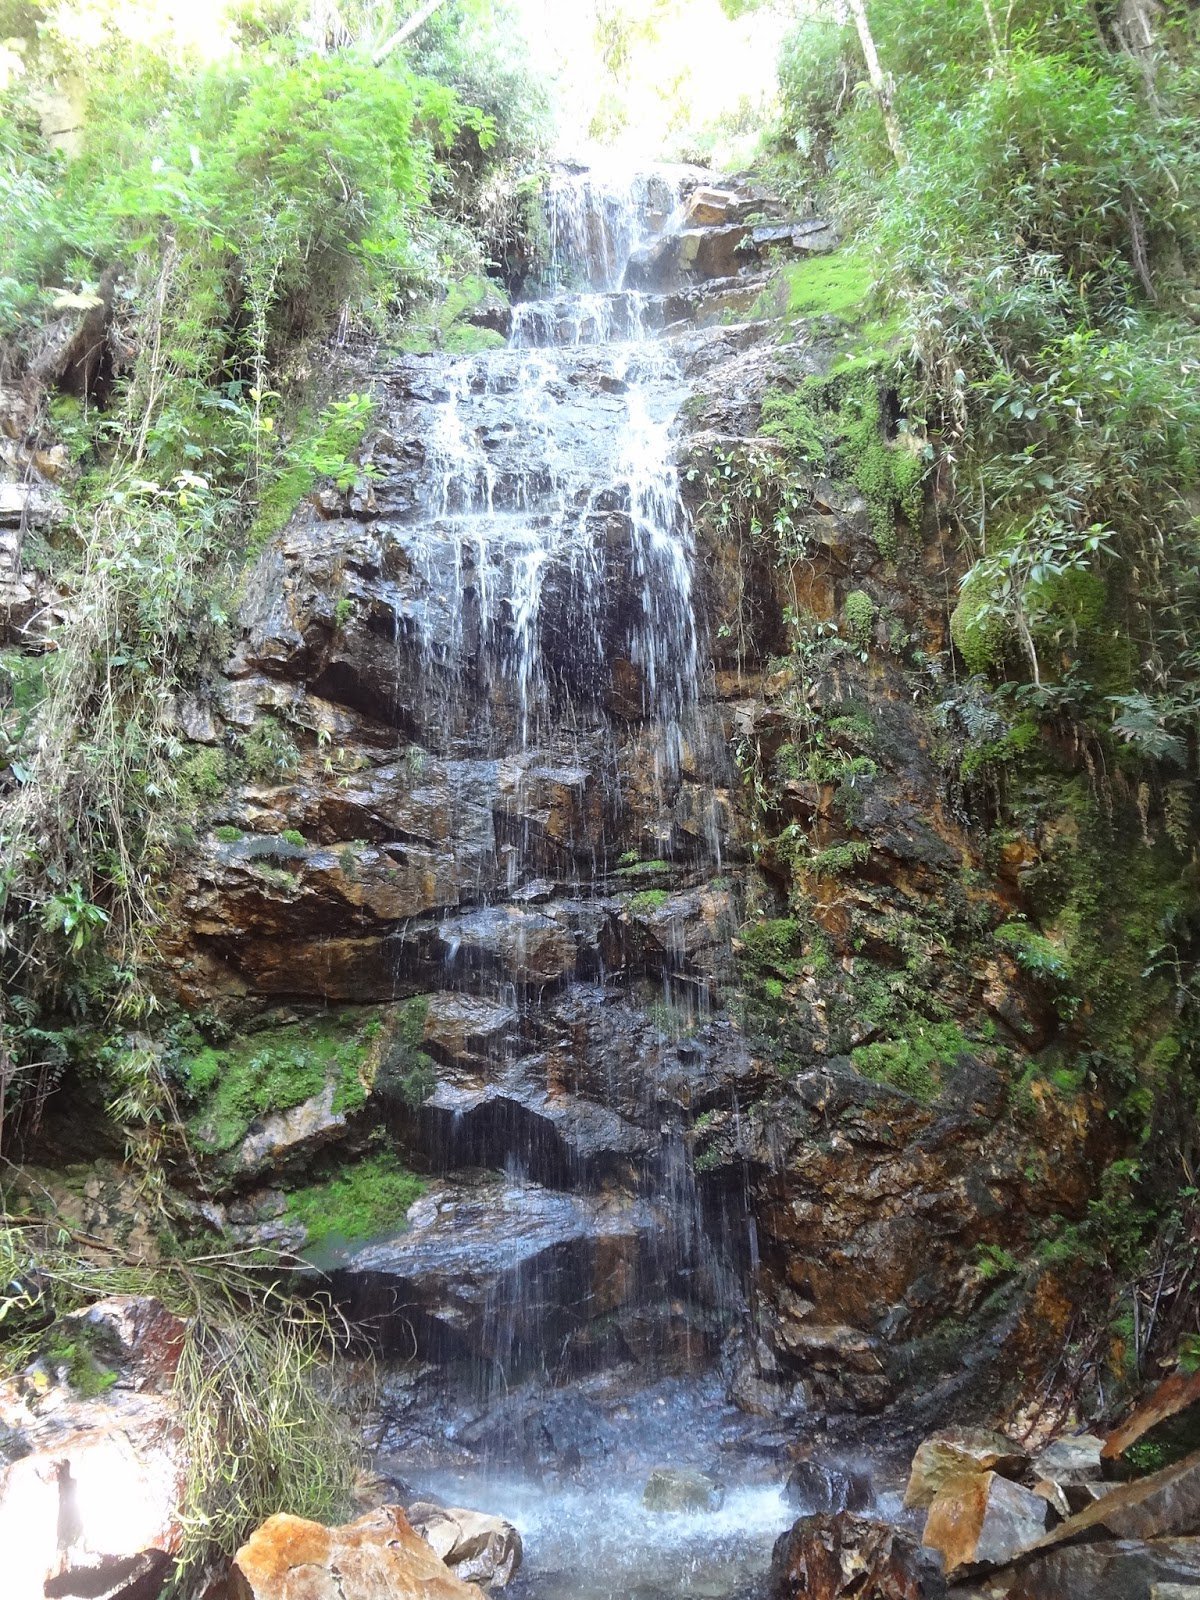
277 1069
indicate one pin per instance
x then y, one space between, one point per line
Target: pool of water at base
569 1468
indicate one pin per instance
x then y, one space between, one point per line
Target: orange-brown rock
983 1520
944 1458
379 1557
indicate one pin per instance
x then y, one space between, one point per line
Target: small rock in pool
682 1489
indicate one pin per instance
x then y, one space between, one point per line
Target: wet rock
379 1557
280 1135
1163 1505
983 1520
501 1271
842 1557
944 1458
682 1489
476 1547
140 1577
459 1027
822 1488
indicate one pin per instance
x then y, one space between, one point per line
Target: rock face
836 1557
474 746
493 1270
379 1557
91 1487
476 1547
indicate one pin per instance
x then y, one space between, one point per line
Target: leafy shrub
915 1063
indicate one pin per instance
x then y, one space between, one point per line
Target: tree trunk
417 20
880 84
1136 31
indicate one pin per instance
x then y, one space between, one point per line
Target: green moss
85 1372
837 858
1108 902
978 631
772 945
227 834
277 504
649 900
637 869
273 1070
839 285
916 1063
294 836
1071 613
836 424
411 1066
1007 751
855 725
370 1197
858 610
203 776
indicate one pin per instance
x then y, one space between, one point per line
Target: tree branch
417 20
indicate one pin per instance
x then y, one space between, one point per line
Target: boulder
945 1457
476 1547
707 207
819 1487
379 1557
1071 1459
1164 1505
828 1557
682 1489
1110 1569
983 1520
91 1486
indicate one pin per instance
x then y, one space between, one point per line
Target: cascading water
549 636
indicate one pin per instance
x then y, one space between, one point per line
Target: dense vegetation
195 211
1021 185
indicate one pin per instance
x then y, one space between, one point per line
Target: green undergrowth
917 1063
369 1197
647 900
409 1064
231 1084
445 323
835 425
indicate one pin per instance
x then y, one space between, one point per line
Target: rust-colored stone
379 1557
